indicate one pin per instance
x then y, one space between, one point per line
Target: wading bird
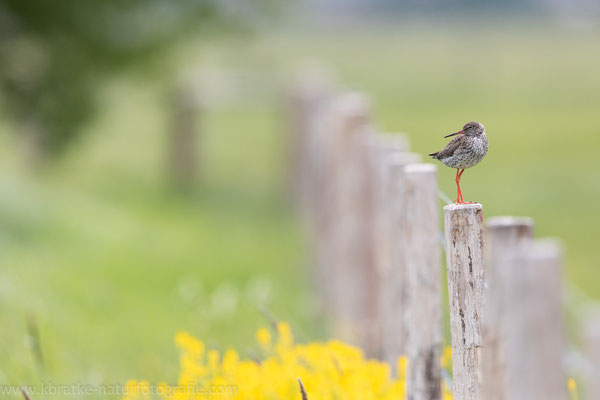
464 151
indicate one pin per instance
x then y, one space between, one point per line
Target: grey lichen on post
504 235
535 340
423 272
463 225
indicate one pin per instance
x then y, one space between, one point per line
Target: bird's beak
455 133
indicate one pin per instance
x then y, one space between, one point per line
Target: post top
389 142
354 104
465 207
420 168
400 159
507 221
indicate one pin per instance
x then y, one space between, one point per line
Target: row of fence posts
371 212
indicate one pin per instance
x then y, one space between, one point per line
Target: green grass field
112 264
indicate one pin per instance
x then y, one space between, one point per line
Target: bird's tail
434 155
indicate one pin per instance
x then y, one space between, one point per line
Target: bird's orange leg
459 198
460 191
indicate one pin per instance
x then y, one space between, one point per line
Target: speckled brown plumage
464 151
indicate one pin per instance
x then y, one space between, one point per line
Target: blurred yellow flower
447 357
402 367
263 337
189 344
331 370
285 334
573 389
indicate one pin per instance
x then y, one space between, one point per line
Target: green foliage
56 53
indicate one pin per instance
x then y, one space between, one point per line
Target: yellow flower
213 360
285 334
573 389
332 370
402 367
189 344
446 360
263 337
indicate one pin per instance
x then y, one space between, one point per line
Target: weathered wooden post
591 331
183 138
384 149
393 276
535 340
312 150
504 236
354 280
423 272
463 225
309 95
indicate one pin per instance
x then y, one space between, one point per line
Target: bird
464 151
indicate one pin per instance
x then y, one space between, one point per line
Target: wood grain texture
463 226
504 235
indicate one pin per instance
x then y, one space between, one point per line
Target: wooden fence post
504 235
535 341
592 349
423 270
464 260
312 151
309 96
393 276
354 280
183 140
384 149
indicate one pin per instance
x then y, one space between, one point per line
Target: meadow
111 264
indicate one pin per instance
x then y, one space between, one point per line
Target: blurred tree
54 54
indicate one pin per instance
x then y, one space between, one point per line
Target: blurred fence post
535 341
309 95
423 272
183 138
393 277
463 225
592 349
384 148
312 148
354 279
504 235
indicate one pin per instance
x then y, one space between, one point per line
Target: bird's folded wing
450 148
